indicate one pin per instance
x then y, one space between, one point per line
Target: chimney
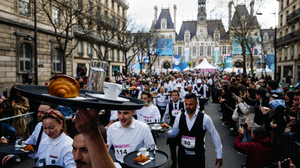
175 8
252 8
229 14
155 14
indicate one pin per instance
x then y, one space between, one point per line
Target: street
231 159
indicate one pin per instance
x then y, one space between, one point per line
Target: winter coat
260 152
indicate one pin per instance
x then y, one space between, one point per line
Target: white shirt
182 94
34 138
207 125
148 114
58 152
162 100
168 87
209 81
137 135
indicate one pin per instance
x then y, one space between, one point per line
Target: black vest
196 131
136 93
172 118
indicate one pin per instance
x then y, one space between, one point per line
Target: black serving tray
161 158
38 92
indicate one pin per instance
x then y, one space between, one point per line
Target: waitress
56 149
162 101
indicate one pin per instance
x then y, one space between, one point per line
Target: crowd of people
253 109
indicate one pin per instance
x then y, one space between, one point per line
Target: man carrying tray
172 110
128 135
191 126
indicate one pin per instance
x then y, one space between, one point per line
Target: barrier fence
286 148
20 126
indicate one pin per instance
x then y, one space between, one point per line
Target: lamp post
35 48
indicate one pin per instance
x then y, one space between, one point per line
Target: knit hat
277 103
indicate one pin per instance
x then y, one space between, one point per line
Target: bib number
121 150
148 119
188 142
175 112
161 99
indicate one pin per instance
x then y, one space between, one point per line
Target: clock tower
201 20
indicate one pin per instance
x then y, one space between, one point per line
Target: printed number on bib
121 150
175 112
188 142
148 119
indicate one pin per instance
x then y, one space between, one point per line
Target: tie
175 106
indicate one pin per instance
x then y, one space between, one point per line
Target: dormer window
187 38
163 23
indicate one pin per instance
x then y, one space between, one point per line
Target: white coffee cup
143 151
112 90
156 126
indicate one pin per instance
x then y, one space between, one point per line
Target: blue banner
237 48
164 47
186 54
217 49
270 62
176 59
180 66
227 58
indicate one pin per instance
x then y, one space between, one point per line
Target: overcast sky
142 11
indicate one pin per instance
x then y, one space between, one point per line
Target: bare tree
61 16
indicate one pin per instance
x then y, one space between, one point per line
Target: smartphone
285 164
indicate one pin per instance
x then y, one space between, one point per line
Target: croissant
164 125
141 158
133 88
63 86
28 148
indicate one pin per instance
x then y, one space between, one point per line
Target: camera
244 125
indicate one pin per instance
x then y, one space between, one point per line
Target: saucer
102 97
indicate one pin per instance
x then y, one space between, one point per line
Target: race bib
188 142
175 112
161 99
121 150
148 119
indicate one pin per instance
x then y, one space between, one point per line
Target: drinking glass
152 152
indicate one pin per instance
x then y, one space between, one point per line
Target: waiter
172 110
191 126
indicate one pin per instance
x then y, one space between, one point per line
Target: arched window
167 65
238 64
57 65
25 57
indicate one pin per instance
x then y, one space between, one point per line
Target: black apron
191 157
175 140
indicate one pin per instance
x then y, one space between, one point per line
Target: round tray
39 93
160 159
10 149
159 130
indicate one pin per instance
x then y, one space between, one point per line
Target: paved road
231 159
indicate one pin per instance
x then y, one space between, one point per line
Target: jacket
260 152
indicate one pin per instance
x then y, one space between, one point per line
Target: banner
237 48
256 49
164 46
146 59
217 51
270 62
227 58
176 59
180 66
186 54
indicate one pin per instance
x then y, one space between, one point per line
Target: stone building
288 40
17 46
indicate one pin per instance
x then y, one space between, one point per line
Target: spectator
259 151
